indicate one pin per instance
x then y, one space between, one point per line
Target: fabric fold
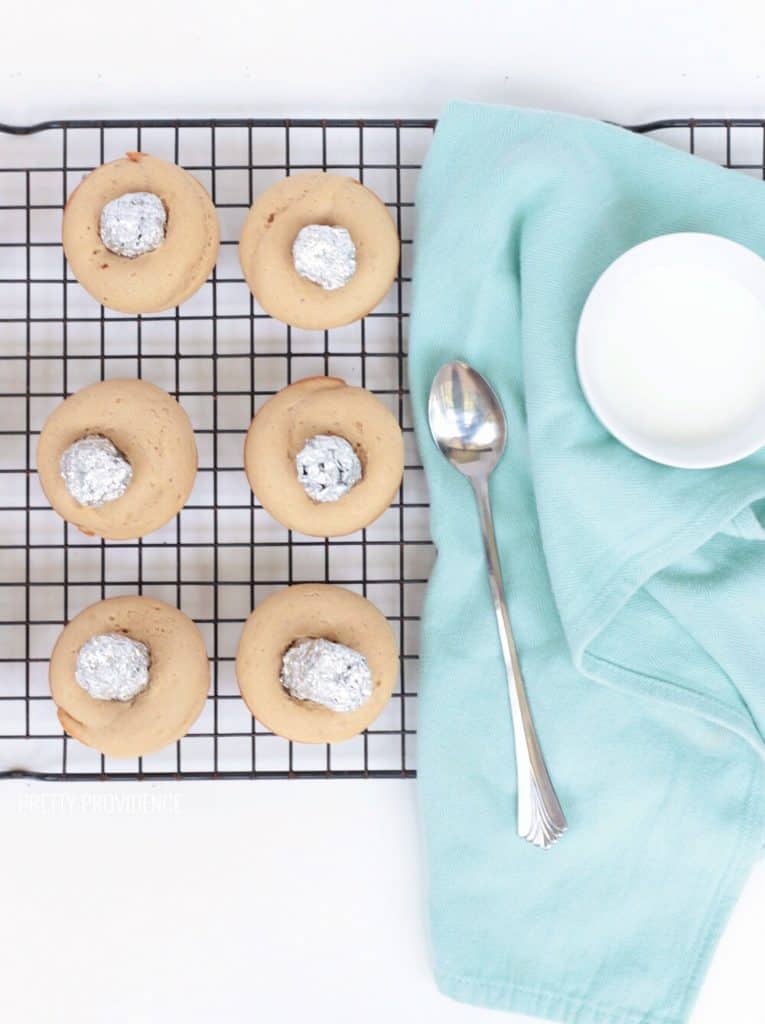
635 591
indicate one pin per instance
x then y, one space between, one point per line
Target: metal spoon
468 425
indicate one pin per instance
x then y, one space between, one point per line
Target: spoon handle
540 818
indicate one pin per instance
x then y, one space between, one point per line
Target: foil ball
111 666
330 674
95 471
325 255
327 467
133 224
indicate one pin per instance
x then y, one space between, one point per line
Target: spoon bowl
466 419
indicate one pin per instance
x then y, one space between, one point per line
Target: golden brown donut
265 249
156 280
178 678
313 610
323 405
150 429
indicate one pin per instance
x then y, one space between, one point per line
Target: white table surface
291 902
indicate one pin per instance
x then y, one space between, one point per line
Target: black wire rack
222 357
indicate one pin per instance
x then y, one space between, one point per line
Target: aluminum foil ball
326 673
325 255
111 666
327 467
95 471
133 224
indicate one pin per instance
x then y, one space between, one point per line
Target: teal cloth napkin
637 594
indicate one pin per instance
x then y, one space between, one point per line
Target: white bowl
670 350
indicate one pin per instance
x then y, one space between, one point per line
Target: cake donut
316 663
318 250
141 234
324 458
117 459
129 676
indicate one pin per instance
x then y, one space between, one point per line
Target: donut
178 678
314 407
313 610
272 226
152 432
156 280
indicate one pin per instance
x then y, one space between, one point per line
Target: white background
290 902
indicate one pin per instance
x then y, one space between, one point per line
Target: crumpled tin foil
133 224
111 666
326 673
95 471
327 467
325 255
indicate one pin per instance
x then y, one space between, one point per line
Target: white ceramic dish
671 350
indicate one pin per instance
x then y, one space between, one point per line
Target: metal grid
222 357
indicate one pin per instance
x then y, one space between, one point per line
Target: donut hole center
321 671
95 471
324 254
113 666
328 467
133 224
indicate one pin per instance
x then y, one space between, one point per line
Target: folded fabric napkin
636 592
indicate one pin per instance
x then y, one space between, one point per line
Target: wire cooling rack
222 357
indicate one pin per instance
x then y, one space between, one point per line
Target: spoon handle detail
540 818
